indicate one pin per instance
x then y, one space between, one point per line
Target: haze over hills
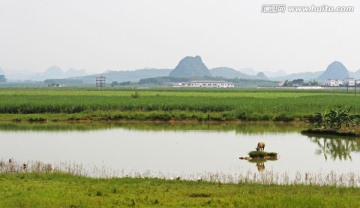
261 75
229 73
275 74
194 67
57 72
355 74
187 67
302 75
53 72
124 76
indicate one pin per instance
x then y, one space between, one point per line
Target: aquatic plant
335 118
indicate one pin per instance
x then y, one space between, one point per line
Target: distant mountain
336 70
123 76
303 75
248 71
261 75
269 74
275 74
2 78
18 75
75 72
188 68
229 73
191 67
53 72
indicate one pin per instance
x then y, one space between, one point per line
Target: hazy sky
98 35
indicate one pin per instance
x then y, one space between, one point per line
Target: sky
100 35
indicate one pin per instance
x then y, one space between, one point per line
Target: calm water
178 150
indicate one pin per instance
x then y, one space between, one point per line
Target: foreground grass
62 190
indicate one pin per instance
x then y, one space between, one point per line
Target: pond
171 150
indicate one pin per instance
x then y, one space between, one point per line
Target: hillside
229 73
303 75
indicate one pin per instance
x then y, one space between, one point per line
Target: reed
333 178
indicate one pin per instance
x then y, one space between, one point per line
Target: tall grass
332 178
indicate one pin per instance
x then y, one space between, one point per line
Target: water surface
178 149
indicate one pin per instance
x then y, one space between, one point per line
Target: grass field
63 190
169 104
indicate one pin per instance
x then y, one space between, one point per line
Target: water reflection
260 163
336 148
260 167
240 128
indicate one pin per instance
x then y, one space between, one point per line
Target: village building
207 84
349 82
334 83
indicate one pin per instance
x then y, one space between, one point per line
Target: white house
334 83
349 81
207 84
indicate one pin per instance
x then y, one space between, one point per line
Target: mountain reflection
336 148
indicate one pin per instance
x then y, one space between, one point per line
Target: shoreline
330 132
156 116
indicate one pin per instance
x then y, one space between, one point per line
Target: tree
314 83
287 83
297 82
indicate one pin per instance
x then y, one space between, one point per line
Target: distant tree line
164 80
300 82
63 81
115 83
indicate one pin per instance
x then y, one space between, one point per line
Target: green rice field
169 104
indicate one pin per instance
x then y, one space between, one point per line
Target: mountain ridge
192 66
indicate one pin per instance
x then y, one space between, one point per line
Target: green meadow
27 104
64 190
